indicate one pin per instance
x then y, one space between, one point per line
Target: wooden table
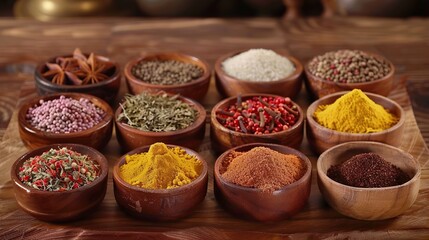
25 43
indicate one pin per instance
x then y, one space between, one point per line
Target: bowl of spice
354 116
160 182
81 73
256 118
148 118
345 70
368 180
65 118
175 73
264 182
60 182
258 71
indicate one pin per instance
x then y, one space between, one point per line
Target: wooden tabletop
25 43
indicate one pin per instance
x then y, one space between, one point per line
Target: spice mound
166 72
354 112
59 170
259 115
258 65
348 66
367 170
157 112
262 168
64 115
161 168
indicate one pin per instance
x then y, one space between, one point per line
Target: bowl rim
217 124
172 191
293 76
293 151
100 159
107 119
310 119
324 175
167 55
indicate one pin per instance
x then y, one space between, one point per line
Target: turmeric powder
161 168
354 112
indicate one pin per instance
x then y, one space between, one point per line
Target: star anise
55 73
93 70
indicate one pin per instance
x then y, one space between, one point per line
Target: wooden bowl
223 138
318 87
321 138
97 136
230 86
131 138
61 206
159 204
255 204
106 90
196 89
368 203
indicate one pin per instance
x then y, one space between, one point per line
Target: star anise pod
55 73
93 70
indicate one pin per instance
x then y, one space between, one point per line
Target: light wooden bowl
321 138
97 136
229 86
159 204
255 204
196 89
318 87
368 203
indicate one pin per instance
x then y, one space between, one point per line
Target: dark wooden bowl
61 206
195 89
131 138
159 204
106 90
321 138
319 87
96 137
223 138
368 203
230 86
255 204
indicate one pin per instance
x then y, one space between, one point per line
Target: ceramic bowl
131 138
61 206
159 204
224 138
195 89
106 90
97 136
318 87
255 204
231 86
321 138
368 203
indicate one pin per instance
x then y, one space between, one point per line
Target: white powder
259 65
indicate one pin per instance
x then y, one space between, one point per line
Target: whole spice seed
64 115
59 170
348 66
367 170
166 72
156 112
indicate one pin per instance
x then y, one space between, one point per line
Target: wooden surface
25 43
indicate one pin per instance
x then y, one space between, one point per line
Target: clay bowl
106 90
368 203
131 138
195 89
230 86
159 204
321 138
317 87
61 206
96 137
255 204
223 138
